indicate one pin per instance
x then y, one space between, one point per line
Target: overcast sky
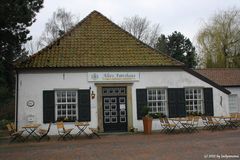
185 16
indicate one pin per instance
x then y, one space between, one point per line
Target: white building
228 78
99 73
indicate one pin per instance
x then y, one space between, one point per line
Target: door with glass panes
114 109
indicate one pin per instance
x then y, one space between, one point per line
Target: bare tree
142 29
219 39
60 22
32 46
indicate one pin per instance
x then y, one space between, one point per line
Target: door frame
100 106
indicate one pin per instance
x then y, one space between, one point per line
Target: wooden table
178 121
82 126
30 129
233 121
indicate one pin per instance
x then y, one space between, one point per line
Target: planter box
147 125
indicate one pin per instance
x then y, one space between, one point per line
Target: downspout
16 101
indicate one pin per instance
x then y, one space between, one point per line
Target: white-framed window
194 100
233 108
66 105
157 100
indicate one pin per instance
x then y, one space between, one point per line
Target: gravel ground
201 145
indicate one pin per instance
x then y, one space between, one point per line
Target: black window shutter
176 102
48 106
208 101
141 101
84 104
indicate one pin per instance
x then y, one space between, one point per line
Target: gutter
16 101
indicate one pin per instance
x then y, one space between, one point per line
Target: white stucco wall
32 84
236 91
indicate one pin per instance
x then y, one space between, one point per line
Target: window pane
73 94
74 106
154 97
150 97
150 92
69 99
58 99
68 94
69 106
154 109
73 99
59 106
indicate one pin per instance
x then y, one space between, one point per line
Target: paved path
130 147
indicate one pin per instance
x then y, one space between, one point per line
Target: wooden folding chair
169 126
234 121
15 135
13 126
238 119
163 125
195 124
94 132
188 124
63 133
42 133
213 125
205 122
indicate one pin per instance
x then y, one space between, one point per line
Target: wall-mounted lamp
92 95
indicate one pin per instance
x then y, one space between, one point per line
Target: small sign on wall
113 76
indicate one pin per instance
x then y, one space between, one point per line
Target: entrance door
114 109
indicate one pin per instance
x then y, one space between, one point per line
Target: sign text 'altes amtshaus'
113 76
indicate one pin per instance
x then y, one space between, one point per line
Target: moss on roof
97 42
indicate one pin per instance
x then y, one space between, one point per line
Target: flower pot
147 125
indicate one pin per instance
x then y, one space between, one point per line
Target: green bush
3 123
145 111
157 115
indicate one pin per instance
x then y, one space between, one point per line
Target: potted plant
66 119
147 121
157 115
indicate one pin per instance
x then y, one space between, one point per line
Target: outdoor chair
15 135
94 132
195 124
42 133
213 125
163 125
234 121
13 126
188 124
63 132
238 119
170 127
205 122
